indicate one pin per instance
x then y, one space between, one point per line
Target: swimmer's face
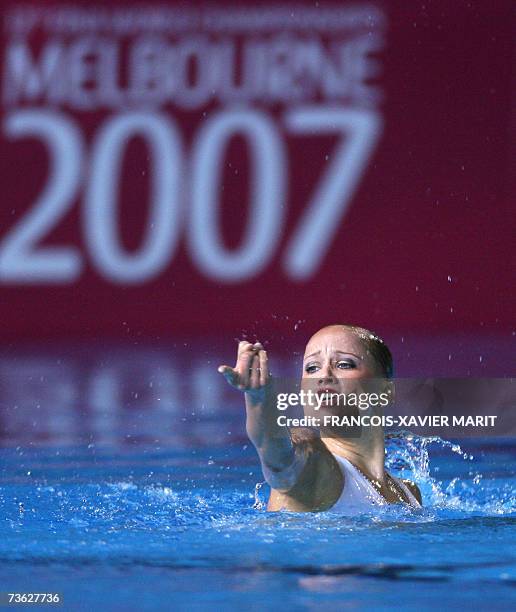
338 360
337 353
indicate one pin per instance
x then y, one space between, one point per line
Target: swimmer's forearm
272 442
261 422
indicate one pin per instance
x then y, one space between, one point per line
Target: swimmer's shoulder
319 484
414 489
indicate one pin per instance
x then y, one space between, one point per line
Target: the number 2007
22 261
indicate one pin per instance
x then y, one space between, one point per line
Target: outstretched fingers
251 370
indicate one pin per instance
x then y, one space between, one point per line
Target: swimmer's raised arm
281 464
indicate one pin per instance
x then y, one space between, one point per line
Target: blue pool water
129 484
142 528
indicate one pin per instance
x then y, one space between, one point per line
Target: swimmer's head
346 359
374 356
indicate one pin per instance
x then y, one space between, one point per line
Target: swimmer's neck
367 453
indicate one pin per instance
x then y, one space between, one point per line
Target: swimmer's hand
251 372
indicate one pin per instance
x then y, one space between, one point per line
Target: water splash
409 456
260 501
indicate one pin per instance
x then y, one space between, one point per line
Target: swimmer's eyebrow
341 352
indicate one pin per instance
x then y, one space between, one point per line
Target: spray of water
409 456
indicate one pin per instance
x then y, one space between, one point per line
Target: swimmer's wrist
258 396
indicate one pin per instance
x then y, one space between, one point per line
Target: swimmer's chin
339 411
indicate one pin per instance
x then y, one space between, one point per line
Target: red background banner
417 234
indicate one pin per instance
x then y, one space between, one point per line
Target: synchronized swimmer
322 465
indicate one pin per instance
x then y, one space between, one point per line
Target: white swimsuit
358 494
